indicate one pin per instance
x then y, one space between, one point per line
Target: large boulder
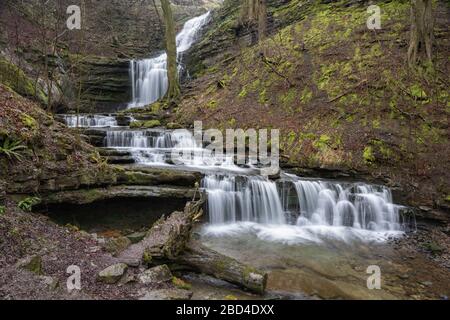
112 274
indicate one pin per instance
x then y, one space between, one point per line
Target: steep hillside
342 95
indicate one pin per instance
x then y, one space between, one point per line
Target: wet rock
136 236
156 274
32 264
112 274
167 294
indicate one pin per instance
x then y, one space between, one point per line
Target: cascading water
89 121
300 210
232 199
149 76
358 206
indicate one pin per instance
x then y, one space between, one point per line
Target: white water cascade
149 76
359 206
237 198
89 121
294 209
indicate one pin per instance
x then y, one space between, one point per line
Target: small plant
28 203
12 149
2 210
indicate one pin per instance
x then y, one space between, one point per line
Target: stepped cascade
149 76
238 195
89 121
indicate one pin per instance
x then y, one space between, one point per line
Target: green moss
14 78
417 92
147 258
181 284
368 155
29 122
145 124
243 93
212 104
323 142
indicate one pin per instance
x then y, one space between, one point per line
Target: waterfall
129 139
89 121
318 203
353 205
149 76
235 198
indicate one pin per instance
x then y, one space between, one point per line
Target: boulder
117 245
136 236
156 274
112 274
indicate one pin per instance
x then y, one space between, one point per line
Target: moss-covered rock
145 124
112 274
117 245
13 77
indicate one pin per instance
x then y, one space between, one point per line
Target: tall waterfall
149 76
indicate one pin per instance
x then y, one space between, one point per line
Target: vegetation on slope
341 94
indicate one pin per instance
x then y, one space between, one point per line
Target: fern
12 149
28 203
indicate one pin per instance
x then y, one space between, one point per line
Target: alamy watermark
74 20
374 280
374 20
74 280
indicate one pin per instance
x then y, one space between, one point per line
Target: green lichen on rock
112 274
181 284
13 77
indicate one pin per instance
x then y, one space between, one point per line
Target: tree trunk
262 20
204 260
173 91
421 42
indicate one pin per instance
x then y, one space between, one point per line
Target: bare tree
422 24
255 12
174 90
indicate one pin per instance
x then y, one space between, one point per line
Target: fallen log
207 261
169 241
